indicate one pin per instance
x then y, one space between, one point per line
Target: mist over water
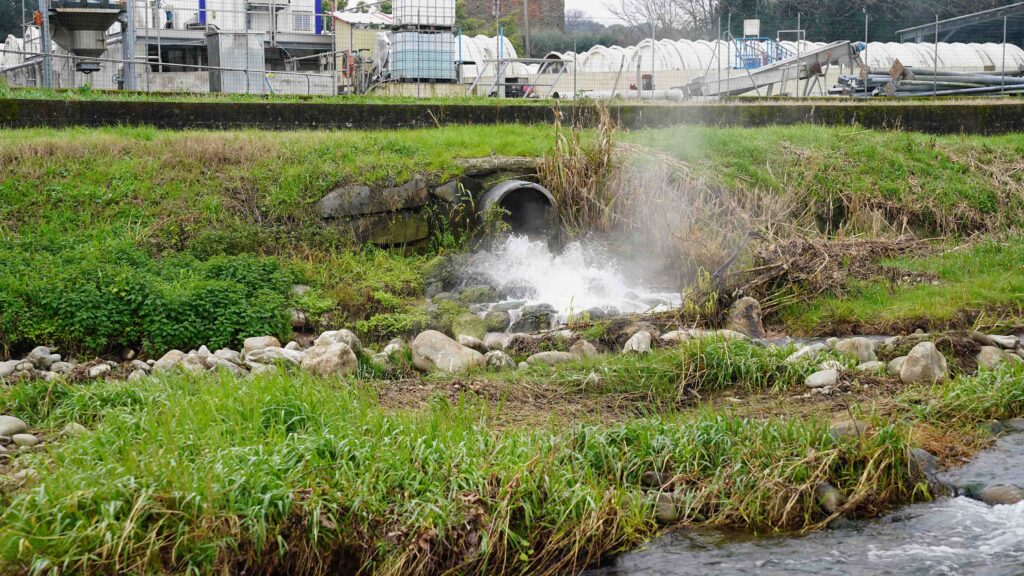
581 277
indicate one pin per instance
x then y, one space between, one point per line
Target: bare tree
662 15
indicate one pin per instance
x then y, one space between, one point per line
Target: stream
948 536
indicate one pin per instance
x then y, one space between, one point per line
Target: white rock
61 367
293 345
273 354
895 365
496 340
1012 357
216 363
639 343
194 362
822 379
873 366
1006 342
831 342
583 349
98 371
168 361
432 350
334 359
552 358
346 337
39 357
395 346
259 343
924 364
230 355
204 351
9 426
73 429
989 357
140 365
499 360
25 440
859 349
675 336
137 375
256 369
474 343
8 368
807 351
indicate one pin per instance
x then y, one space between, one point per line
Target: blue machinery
755 52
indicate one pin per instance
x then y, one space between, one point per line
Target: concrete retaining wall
938 118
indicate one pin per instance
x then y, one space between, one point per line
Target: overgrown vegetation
286 474
108 234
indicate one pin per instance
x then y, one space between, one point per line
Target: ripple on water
949 536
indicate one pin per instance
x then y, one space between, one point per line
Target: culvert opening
528 208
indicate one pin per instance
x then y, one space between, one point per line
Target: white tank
434 13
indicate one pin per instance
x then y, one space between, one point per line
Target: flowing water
948 536
582 277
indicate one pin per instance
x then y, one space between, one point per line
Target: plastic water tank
426 56
432 13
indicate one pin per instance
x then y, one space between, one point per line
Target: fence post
1002 71
935 56
867 64
44 41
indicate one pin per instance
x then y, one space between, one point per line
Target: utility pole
526 29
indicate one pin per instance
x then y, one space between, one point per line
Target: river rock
831 342
822 379
508 306
230 355
195 362
474 343
98 371
1001 494
551 358
26 440
583 349
533 318
666 508
924 461
989 357
860 349
40 357
872 367
250 345
293 345
655 479
895 365
469 325
496 321
849 429
63 368
745 317
496 340
273 355
214 363
330 359
8 368
432 350
639 343
396 347
806 352
479 294
137 375
498 360
828 497
346 337
73 429
25 366
1012 357
924 364
1005 342
675 336
9 426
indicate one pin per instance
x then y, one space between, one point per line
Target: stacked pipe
902 82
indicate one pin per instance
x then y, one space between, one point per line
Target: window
303 21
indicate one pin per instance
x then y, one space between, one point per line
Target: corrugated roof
364 18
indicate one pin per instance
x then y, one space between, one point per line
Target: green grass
935 184
84 207
987 277
299 475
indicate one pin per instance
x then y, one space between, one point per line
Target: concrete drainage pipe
529 208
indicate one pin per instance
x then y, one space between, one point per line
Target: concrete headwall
933 117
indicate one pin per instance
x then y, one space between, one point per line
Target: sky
596 8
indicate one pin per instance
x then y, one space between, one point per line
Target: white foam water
580 278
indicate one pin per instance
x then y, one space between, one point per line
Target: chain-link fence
304 47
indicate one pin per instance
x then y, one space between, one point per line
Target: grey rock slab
432 350
924 364
822 379
10 425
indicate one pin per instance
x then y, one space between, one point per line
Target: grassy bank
962 286
290 474
858 179
99 226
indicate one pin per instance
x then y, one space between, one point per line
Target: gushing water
582 277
